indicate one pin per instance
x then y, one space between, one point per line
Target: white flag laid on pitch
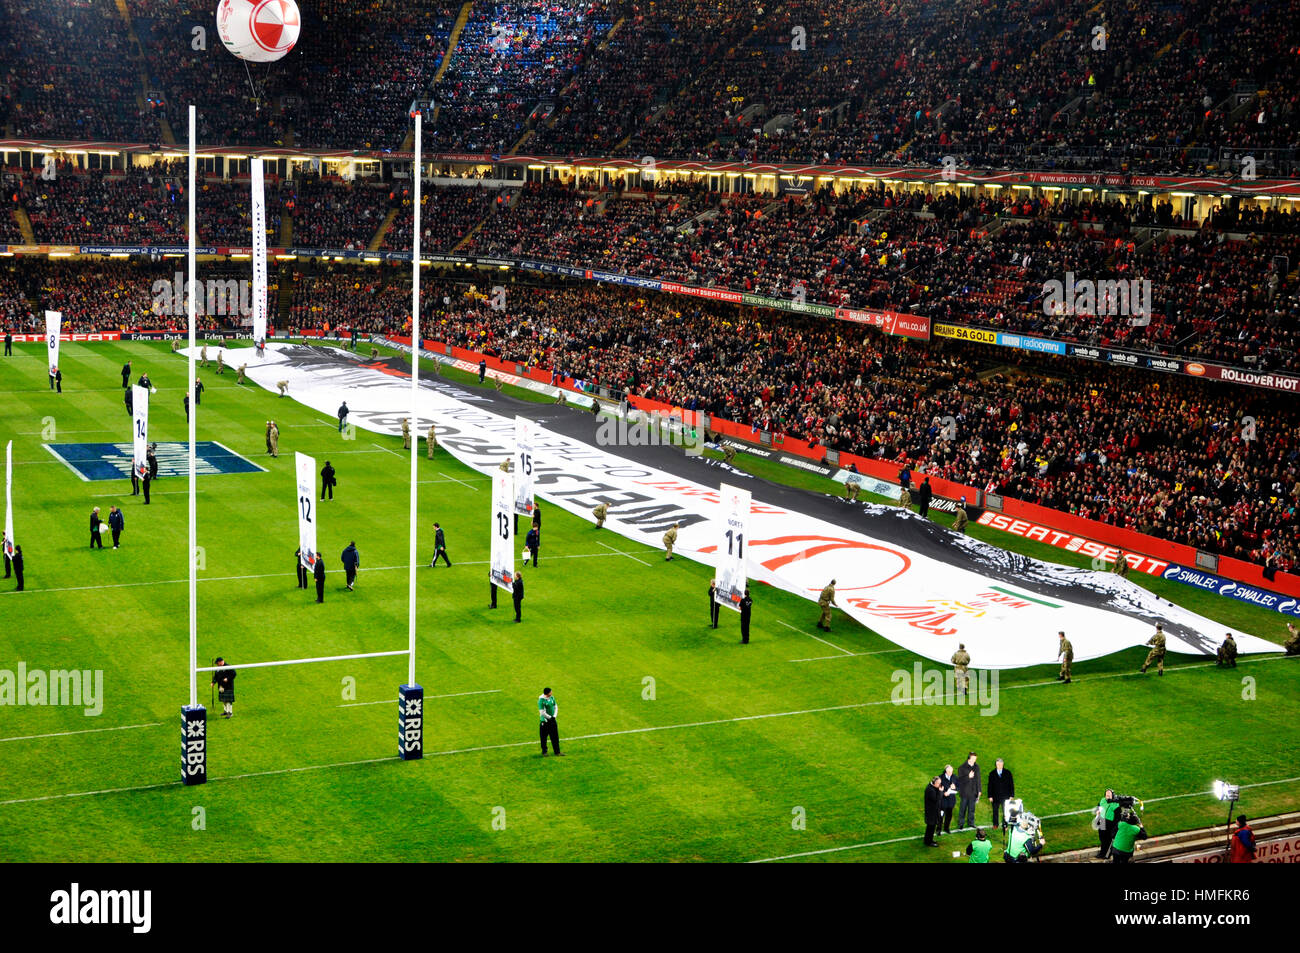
524 431
733 529
9 499
306 503
259 253
503 530
139 430
53 319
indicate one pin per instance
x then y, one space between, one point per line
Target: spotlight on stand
1224 791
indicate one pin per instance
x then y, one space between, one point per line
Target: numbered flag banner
524 430
259 253
9 499
306 503
139 431
733 525
53 320
503 530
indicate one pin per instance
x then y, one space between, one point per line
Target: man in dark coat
969 787
1002 788
949 806
302 570
151 458
126 375
320 578
439 546
18 568
198 392
116 523
933 807
746 607
343 416
130 402
95 539
532 541
923 497
327 481
351 563
518 595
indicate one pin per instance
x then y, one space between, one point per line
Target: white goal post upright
410 703
410 697
194 717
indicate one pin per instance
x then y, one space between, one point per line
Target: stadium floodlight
1224 791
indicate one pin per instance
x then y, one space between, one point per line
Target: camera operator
1128 831
1024 842
1105 813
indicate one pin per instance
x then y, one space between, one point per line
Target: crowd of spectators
141 207
1166 456
512 59
447 215
332 214
1140 86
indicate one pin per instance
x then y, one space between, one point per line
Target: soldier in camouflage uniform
670 540
1227 655
600 511
406 433
1157 653
432 439
1292 644
1066 655
905 498
242 369
852 487
728 452
961 519
960 660
826 600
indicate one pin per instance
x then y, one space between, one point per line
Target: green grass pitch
683 745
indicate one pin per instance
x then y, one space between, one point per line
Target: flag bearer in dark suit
302 570
519 595
320 578
746 606
713 603
224 679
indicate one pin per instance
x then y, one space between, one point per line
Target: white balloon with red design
261 31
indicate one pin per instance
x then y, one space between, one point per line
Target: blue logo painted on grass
112 461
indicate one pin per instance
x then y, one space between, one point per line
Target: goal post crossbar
302 661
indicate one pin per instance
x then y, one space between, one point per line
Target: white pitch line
84 731
461 482
824 658
38 433
838 648
621 553
524 744
272 575
393 701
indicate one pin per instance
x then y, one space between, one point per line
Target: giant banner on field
139 431
9 500
259 252
732 527
52 321
913 581
524 466
306 502
503 537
